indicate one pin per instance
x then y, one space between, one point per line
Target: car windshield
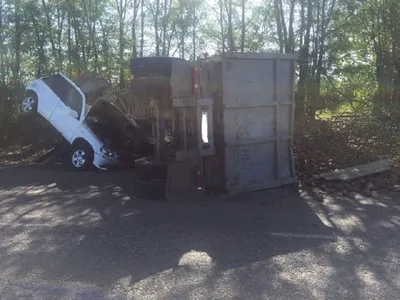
65 91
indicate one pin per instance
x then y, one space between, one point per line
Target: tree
342 46
2 70
243 26
122 6
135 10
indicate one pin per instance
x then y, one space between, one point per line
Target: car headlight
106 152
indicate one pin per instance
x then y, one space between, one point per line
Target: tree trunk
169 40
290 46
323 23
60 22
2 71
182 30
50 31
134 18
230 29
69 46
121 8
121 52
105 49
95 50
221 24
381 75
18 35
194 30
156 27
303 21
164 28
320 48
79 60
283 26
90 17
141 27
80 44
243 25
304 64
40 42
278 25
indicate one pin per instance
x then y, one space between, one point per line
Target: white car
100 134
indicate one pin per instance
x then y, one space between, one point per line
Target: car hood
127 128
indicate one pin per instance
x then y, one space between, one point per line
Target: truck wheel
29 104
147 169
81 156
149 189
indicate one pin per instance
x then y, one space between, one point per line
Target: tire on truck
149 189
151 170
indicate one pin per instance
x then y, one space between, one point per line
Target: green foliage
348 50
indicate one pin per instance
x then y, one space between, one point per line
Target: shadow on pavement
89 227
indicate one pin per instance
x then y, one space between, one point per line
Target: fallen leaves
322 146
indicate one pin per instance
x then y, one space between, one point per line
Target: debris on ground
357 171
28 143
326 145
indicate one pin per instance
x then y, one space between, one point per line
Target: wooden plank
358 171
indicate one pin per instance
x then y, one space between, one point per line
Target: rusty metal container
253 123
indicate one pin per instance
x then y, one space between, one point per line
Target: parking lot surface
69 235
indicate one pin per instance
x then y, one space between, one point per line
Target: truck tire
147 169
149 189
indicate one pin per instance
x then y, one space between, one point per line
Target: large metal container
256 112
162 76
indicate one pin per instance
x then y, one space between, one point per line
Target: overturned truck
224 123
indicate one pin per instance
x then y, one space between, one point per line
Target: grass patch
346 108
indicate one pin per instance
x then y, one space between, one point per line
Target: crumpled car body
99 134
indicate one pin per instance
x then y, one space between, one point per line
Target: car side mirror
73 114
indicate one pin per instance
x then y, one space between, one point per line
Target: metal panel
258 98
247 82
181 79
245 125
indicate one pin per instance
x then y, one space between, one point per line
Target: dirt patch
322 146
27 141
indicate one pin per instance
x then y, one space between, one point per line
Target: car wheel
81 156
29 104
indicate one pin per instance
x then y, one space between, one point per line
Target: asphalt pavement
86 236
